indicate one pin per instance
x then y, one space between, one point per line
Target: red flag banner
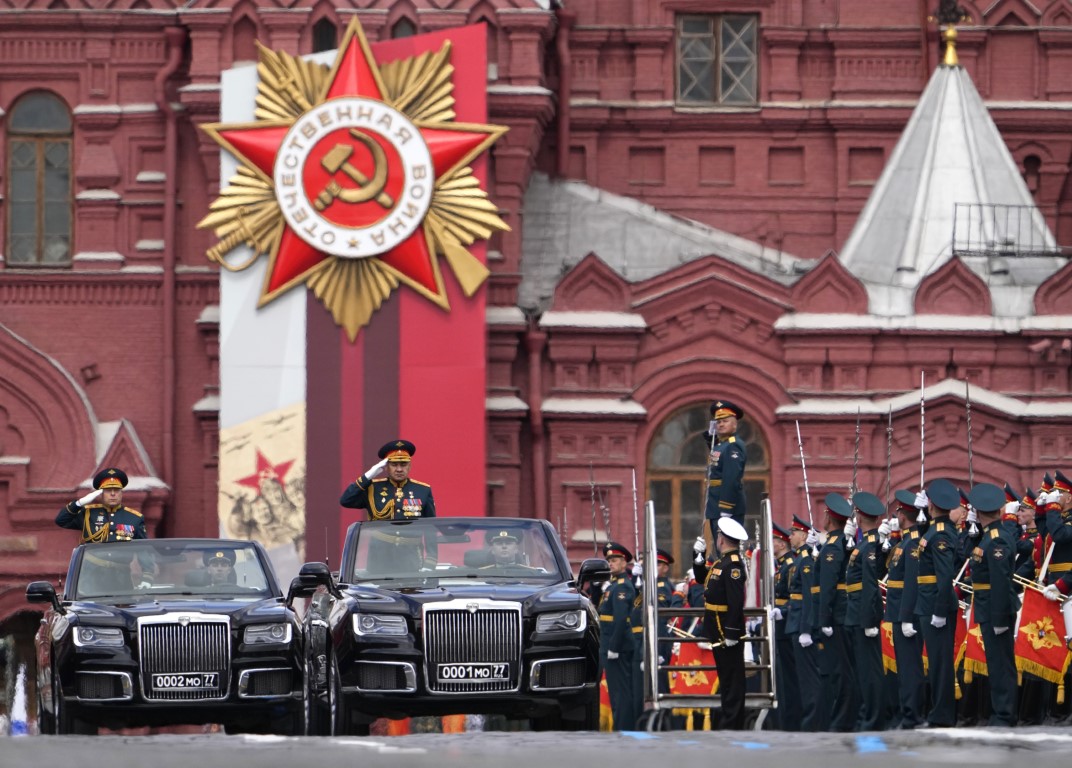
972 652
1040 645
606 720
702 682
889 658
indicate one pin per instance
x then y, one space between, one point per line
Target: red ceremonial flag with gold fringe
702 682
1040 646
889 658
606 719
972 653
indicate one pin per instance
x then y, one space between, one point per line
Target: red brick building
680 178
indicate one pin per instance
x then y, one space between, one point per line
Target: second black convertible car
442 615
169 631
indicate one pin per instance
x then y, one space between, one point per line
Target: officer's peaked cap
987 498
110 478
943 494
868 504
906 499
614 549
837 506
398 450
732 529
720 409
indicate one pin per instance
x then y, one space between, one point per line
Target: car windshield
163 568
485 549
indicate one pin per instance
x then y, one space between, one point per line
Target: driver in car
220 566
506 551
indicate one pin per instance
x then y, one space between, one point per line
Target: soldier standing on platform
803 597
789 711
863 613
835 655
725 473
724 620
936 601
995 602
616 636
901 590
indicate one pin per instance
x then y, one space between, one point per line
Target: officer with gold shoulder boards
724 620
995 601
936 601
108 519
835 655
789 708
901 590
395 497
725 475
803 597
616 636
863 611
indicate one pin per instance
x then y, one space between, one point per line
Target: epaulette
832 537
994 533
735 558
133 511
379 480
93 506
418 482
940 527
871 538
730 439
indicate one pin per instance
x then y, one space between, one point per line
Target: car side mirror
310 577
44 592
594 569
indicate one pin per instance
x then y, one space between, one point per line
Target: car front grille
474 635
187 648
103 686
557 674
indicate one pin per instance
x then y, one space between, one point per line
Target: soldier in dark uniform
835 656
725 474
668 598
901 591
1024 566
395 497
863 611
724 620
108 519
995 602
616 636
803 596
1059 527
789 708
936 602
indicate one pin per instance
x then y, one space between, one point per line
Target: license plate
474 673
186 681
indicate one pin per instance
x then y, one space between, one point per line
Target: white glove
612 654
1051 592
921 502
908 629
937 621
828 631
884 529
850 530
804 639
776 614
641 664
1000 630
895 526
729 643
871 632
814 539
1050 497
376 470
973 516
700 545
638 570
88 498
1012 508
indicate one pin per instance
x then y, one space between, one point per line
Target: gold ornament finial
948 15
950 36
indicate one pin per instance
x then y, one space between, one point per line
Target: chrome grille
472 632
185 644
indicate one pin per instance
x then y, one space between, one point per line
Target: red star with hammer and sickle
355 74
266 470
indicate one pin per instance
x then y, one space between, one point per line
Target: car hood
240 611
411 599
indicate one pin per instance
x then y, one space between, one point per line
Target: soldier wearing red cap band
108 519
395 497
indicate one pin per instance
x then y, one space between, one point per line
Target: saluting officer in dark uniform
788 711
724 620
616 636
725 474
835 655
395 497
863 611
803 599
108 519
936 601
901 591
995 602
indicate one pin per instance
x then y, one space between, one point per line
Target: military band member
789 710
108 519
1027 540
936 601
725 474
1059 527
724 620
995 602
901 591
395 497
803 597
616 636
863 612
835 656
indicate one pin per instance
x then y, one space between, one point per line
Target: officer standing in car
108 519
395 497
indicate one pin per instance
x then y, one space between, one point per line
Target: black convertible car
169 631
443 615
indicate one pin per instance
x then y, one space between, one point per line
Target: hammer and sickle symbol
338 159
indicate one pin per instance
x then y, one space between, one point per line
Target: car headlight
98 637
562 621
379 624
260 634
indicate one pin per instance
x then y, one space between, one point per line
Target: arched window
677 467
325 36
403 28
39 182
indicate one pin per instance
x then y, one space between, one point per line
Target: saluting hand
375 470
88 498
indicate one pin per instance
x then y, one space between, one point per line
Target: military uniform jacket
863 596
782 593
725 480
614 608
99 524
724 599
831 605
1059 532
385 500
896 582
910 558
801 580
937 569
994 597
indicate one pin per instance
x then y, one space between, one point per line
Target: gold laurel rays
461 214
422 87
288 87
352 289
245 212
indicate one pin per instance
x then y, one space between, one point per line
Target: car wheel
339 711
66 722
